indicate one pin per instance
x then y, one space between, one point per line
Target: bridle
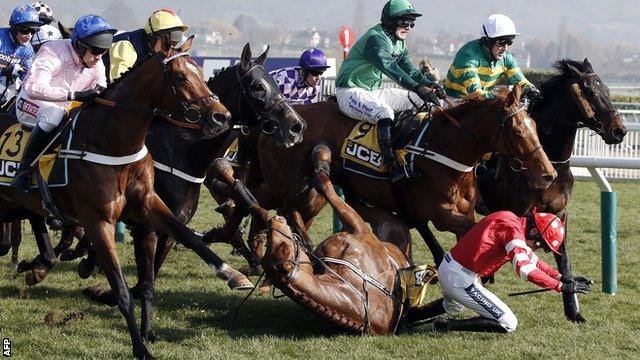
519 160
264 109
587 110
189 113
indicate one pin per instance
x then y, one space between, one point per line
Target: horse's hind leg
5 238
62 250
145 248
38 268
102 235
16 239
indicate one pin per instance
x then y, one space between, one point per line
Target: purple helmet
313 59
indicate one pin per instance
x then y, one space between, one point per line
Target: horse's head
189 95
592 99
517 138
255 99
283 252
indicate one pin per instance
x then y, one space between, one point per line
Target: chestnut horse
444 194
167 84
574 98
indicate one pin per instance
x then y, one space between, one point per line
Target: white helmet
45 34
498 25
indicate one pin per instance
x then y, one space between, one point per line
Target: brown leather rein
163 114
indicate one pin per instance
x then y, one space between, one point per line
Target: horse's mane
473 105
564 74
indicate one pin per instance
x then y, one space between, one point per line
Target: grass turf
194 310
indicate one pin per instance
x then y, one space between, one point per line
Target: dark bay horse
574 98
167 84
443 194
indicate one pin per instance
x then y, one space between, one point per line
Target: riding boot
397 172
426 312
477 324
37 141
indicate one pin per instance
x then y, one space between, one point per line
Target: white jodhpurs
371 106
462 288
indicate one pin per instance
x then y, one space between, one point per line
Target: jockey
495 240
44 35
301 85
63 71
129 48
44 12
480 64
16 53
382 51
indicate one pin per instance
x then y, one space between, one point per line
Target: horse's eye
181 78
258 90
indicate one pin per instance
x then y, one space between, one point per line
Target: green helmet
395 9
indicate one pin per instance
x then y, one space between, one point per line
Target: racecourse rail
592 158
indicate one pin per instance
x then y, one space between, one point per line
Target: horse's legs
294 217
160 218
5 238
165 244
570 301
102 235
145 247
16 239
37 268
66 240
432 243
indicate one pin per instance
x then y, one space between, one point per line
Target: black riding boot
397 172
477 324
37 141
425 312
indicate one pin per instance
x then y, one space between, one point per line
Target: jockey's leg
48 119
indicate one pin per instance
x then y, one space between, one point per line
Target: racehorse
182 157
443 194
113 130
574 98
351 279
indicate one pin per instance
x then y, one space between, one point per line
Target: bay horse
576 97
443 194
167 84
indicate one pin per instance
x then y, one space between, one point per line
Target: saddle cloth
361 152
231 154
12 145
414 281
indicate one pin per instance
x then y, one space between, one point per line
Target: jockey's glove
439 90
12 70
84 95
427 94
580 279
531 93
574 286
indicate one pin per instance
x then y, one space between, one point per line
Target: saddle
361 151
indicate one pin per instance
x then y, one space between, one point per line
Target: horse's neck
184 149
116 131
558 140
463 145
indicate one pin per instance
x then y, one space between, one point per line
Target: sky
598 20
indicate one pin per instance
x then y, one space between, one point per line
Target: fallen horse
351 279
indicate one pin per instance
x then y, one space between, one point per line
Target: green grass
194 310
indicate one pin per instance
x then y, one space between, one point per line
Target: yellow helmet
163 19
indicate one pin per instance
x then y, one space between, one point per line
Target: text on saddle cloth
12 145
361 152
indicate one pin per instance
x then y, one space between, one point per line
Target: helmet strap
80 51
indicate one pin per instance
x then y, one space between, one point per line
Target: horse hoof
240 282
35 276
25 265
69 255
149 337
85 268
578 319
146 355
250 271
99 294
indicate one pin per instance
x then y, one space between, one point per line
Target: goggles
406 23
503 42
26 31
94 50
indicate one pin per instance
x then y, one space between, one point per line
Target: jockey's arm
38 85
526 266
407 65
463 80
26 62
377 51
122 57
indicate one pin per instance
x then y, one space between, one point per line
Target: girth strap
365 277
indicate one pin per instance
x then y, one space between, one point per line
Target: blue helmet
93 30
25 16
313 59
